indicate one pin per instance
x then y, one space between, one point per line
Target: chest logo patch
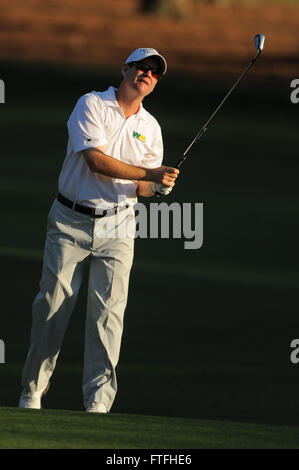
138 136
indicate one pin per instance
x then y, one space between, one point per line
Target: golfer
114 152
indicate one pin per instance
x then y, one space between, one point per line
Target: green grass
37 429
207 332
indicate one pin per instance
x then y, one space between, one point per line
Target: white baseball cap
143 53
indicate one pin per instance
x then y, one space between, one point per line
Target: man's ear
124 69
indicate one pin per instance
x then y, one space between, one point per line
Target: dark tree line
174 8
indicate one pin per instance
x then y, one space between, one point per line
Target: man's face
142 81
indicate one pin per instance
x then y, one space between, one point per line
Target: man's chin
143 87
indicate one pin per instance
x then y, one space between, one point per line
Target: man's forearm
103 164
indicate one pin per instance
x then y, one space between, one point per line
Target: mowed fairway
206 344
57 429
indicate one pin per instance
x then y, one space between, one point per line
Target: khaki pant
75 240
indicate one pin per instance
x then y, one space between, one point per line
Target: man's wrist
148 175
153 187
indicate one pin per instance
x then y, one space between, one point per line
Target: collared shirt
98 120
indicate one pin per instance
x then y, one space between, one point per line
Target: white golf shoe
32 400
96 407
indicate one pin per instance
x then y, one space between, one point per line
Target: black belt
89 210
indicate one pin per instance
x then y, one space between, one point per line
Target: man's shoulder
97 97
92 97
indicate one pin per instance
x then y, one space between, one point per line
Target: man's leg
62 274
107 298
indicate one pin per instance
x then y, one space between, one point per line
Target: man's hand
164 175
163 180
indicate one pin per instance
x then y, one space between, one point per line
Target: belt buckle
98 213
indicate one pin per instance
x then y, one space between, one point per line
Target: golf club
259 40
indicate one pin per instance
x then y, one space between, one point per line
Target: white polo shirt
98 120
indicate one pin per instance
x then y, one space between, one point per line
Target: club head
259 40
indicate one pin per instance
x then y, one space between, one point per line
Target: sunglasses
156 73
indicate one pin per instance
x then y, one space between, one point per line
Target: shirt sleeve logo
138 136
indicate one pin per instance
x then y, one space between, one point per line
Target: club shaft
205 126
